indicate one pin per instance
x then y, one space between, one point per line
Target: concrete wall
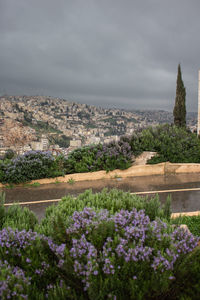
134 171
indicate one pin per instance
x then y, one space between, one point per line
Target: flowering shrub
2 172
172 144
100 157
103 255
32 165
125 256
56 216
193 223
38 164
13 283
186 285
31 258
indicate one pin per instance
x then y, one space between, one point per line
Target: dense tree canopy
179 108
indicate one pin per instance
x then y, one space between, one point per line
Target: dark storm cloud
111 52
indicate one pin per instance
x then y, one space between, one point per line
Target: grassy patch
9 186
192 222
71 181
35 184
56 182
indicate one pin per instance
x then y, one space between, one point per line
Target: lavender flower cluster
101 249
13 282
134 241
114 149
14 241
86 220
115 155
103 156
21 248
31 165
81 248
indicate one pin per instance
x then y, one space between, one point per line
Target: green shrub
2 170
16 217
158 158
2 209
115 155
171 143
9 154
37 164
13 283
20 218
56 216
71 181
174 144
192 222
109 251
120 256
125 256
32 259
186 286
32 165
135 143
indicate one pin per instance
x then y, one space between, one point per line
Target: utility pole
198 124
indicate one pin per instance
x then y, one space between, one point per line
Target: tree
179 108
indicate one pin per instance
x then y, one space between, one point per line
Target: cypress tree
179 108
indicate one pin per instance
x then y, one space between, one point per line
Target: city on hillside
47 123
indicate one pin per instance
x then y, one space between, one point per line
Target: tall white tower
198 124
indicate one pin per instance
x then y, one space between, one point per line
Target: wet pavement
182 201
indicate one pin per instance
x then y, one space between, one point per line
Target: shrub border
134 171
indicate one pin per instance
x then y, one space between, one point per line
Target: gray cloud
111 52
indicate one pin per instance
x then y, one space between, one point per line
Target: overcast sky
114 53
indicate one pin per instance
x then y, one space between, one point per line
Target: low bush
16 217
136 144
9 154
104 256
174 144
115 155
125 256
30 264
171 143
56 216
192 222
2 209
2 170
13 283
38 164
32 165
99 246
187 274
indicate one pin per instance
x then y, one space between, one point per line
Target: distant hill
58 118
162 116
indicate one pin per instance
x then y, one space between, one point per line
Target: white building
36 146
45 142
75 143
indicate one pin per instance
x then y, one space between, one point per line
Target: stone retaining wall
133 171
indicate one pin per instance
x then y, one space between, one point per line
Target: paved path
184 190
